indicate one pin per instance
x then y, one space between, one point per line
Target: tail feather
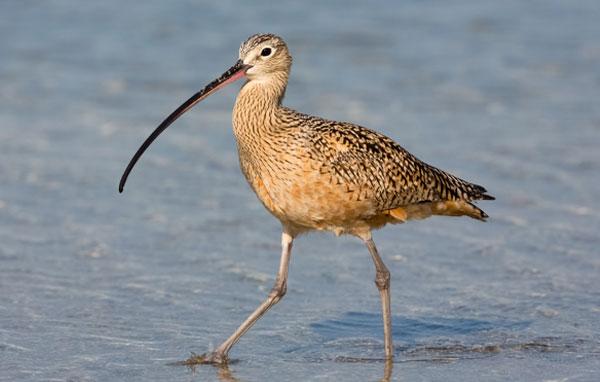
478 192
458 208
450 187
445 208
487 197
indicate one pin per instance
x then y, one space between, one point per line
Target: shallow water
100 286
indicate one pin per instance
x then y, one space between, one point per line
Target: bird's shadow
409 330
355 337
359 335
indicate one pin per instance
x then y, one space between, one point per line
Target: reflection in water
224 373
388 365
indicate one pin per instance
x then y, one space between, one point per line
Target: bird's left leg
382 280
219 356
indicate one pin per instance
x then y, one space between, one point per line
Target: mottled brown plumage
313 173
317 174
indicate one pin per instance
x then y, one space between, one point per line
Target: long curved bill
234 73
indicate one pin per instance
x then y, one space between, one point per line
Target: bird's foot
212 358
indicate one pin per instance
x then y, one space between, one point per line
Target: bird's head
265 55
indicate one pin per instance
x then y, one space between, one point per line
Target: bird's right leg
382 280
219 356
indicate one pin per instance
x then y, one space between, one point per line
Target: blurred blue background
100 286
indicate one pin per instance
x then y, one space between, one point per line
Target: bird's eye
265 52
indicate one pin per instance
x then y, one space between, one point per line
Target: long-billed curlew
316 174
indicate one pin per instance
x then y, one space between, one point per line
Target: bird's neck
257 115
260 98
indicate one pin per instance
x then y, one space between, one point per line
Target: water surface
97 286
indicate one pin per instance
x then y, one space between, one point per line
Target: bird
315 174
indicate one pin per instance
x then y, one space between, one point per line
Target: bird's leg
387 370
382 280
219 356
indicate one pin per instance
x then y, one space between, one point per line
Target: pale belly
305 198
